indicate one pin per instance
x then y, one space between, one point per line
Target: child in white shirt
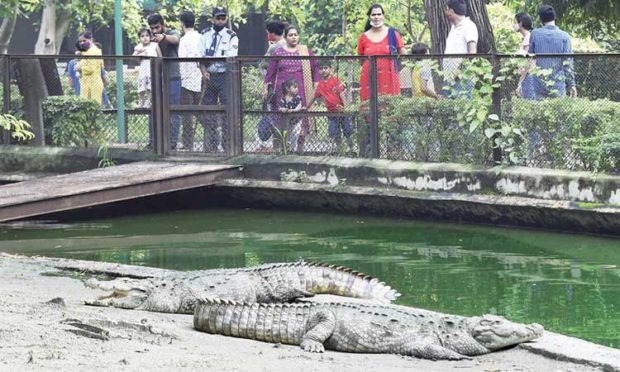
145 48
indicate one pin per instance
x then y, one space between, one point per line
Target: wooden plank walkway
105 185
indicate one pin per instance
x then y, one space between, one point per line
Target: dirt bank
37 335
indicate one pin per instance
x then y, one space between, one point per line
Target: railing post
165 107
233 108
373 101
156 124
120 100
6 94
496 104
121 117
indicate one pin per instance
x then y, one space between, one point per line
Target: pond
569 283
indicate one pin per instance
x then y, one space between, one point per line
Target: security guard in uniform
218 41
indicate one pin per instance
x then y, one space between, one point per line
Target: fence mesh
198 95
78 106
560 131
4 134
279 123
419 112
476 110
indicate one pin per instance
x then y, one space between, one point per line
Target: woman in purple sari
305 71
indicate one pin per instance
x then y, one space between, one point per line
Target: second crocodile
363 328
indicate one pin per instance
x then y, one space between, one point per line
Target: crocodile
363 328
177 292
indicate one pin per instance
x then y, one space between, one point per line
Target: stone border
496 210
539 183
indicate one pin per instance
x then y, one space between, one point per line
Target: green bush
16 104
130 87
251 87
426 129
574 133
72 121
597 77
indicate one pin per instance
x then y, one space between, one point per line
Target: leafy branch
19 128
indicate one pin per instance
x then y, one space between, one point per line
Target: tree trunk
46 43
33 89
39 78
439 25
63 19
477 12
6 31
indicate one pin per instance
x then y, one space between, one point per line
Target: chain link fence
197 121
72 102
482 109
420 112
560 131
276 117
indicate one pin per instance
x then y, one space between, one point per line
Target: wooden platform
105 185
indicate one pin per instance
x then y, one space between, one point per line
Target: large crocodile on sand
176 291
363 328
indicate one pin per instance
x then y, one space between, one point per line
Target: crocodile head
496 332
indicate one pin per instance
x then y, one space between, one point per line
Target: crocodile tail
321 278
343 281
257 321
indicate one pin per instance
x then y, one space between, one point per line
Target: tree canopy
329 27
595 19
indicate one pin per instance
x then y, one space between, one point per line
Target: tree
34 91
6 30
439 25
592 18
57 16
54 25
477 12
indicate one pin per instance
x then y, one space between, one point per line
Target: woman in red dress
373 42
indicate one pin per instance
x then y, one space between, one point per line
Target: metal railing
493 108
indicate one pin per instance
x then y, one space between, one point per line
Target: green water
568 283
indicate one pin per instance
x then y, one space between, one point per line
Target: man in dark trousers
168 41
218 41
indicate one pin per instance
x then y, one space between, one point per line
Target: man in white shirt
190 46
462 39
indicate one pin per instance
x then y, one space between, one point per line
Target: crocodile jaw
496 332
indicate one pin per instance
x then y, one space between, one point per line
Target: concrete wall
526 197
537 183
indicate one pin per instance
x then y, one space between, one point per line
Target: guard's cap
219 10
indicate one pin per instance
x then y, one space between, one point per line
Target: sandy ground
36 335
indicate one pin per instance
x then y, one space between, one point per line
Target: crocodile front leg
283 293
321 325
428 349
